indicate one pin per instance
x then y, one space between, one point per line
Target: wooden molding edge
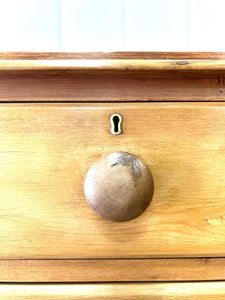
118 291
111 65
112 270
119 77
111 55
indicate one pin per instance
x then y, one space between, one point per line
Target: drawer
156 291
47 149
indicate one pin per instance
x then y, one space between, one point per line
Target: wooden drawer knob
119 186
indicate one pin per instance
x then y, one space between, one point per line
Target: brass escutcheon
116 124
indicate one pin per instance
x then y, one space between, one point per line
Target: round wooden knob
119 186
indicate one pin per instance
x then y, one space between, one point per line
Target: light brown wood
118 186
112 270
132 65
119 77
46 151
154 291
111 55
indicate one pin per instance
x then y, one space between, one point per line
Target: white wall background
112 25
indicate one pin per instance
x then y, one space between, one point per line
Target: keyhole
116 122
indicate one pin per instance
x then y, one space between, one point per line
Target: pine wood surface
46 151
154 291
112 55
111 65
117 77
112 270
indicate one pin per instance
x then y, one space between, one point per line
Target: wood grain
119 77
46 151
113 270
118 65
155 291
111 55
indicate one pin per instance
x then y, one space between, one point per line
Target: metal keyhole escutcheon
116 124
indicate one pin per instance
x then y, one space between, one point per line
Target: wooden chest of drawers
55 124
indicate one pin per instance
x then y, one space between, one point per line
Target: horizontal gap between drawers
111 258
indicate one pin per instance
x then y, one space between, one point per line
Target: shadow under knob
119 186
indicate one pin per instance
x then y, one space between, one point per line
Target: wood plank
46 151
131 65
112 55
113 79
112 270
155 291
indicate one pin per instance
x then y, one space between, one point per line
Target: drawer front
46 151
156 291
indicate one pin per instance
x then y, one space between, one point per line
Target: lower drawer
47 149
204 291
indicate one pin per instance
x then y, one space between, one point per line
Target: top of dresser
112 77
112 55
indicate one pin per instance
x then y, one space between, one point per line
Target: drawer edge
112 270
